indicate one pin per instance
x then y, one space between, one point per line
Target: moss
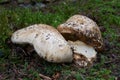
105 13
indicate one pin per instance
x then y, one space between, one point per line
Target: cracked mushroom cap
82 28
84 55
47 42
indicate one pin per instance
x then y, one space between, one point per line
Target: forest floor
18 62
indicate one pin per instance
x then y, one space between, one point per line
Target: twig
45 77
108 62
22 50
82 77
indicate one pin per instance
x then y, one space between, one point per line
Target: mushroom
79 27
84 37
84 55
47 42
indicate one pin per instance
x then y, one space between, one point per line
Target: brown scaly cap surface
82 28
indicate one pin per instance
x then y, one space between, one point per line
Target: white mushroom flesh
84 55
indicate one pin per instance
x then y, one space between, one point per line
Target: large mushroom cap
82 28
47 41
84 55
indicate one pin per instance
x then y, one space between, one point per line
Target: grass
105 13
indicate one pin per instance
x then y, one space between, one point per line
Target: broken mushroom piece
47 42
84 55
82 28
